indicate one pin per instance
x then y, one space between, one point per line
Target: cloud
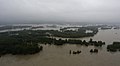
59 10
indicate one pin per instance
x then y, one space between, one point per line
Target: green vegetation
35 37
81 32
94 50
75 52
27 41
114 47
17 44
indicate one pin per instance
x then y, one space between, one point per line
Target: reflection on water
59 55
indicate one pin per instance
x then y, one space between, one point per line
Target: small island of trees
114 47
80 42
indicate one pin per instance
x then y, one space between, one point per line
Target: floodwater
59 55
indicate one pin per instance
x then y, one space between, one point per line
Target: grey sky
59 10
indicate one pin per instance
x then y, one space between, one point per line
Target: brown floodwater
59 55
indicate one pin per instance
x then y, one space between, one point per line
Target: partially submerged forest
28 41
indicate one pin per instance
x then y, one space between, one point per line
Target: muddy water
59 55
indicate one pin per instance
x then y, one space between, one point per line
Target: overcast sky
59 11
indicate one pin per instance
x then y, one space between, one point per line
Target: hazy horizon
58 11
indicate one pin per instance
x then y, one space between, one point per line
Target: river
59 55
